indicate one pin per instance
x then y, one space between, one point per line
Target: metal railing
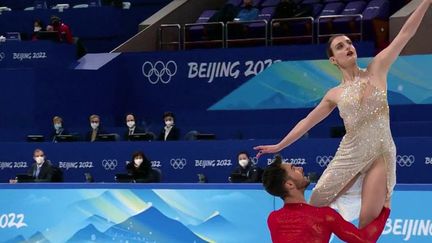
172 42
360 33
226 29
211 32
243 24
275 23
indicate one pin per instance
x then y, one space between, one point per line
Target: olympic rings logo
159 71
324 160
405 160
109 164
178 164
2 56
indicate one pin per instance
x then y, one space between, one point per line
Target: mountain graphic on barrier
215 227
111 203
152 225
38 237
396 98
89 234
16 239
100 223
427 100
164 207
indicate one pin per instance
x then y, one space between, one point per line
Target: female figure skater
367 152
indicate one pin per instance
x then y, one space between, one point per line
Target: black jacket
54 134
173 135
89 134
45 173
136 130
250 174
144 173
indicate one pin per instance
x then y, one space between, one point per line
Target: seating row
326 17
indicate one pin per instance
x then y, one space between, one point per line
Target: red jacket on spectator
65 33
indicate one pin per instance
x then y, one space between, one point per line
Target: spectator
291 9
96 129
64 32
245 172
58 128
248 12
41 170
169 132
226 14
140 169
132 127
37 26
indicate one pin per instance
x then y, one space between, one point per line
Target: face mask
39 159
36 29
57 126
169 123
130 124
243 162
94 125
138 161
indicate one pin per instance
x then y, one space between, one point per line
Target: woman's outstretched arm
325 107
382 62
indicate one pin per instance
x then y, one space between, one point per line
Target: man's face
296 174
39 156
94 120
169 119
130 118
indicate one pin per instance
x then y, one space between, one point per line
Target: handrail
281 20
243 23
222 39
339 16
169 43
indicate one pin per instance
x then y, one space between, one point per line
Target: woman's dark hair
140 153
243 152
168 113
40 23
329 42
274 177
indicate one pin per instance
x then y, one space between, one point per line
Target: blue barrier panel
182 161
172 213
190 84
36 54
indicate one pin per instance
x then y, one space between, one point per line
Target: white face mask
57 126
94 125
39 159
130 124
169 123
36 29
243 162
138 161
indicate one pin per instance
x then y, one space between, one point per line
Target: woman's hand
267 149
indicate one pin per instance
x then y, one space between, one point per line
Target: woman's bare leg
374 192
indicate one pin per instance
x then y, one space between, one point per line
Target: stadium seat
349 24
375 10
270 3
325 26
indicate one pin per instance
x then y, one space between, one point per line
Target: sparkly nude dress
365 112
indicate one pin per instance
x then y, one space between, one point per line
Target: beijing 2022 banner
170 213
